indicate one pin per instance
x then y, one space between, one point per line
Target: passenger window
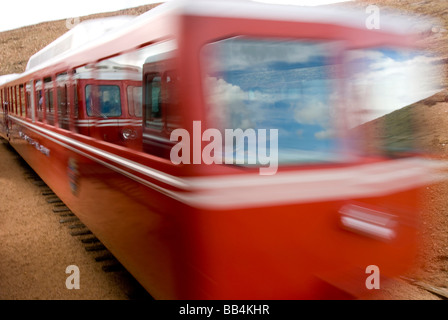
103 100
11 95
14 104
49 106
63 110
28 100
171 101
40 100
22 100
75 100
153 101
161 102
134 101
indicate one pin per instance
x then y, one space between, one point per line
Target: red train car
301 216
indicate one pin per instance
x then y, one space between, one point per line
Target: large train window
274 85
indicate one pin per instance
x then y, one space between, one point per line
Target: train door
131 131
159 108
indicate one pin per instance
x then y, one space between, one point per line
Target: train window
153 101
16 98
13 106
382 80
11 95
63 110
7 99
22 100
134 94
39 100
13 99
28 100
103 100
18 102
48 91
10 100
19 106
284 86
171 100
75 101
49 106
161 101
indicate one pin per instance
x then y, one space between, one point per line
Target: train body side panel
176 251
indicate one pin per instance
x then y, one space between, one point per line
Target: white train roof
112 29
81 34
8 77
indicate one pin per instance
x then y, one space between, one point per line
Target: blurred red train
95 121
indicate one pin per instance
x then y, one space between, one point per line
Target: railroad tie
90 240
113 267
96 247
61 209
53 200
70 219
68 214
80 232
105 257
76 226
39 183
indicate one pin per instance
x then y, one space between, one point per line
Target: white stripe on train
239 191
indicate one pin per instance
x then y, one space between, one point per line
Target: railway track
93 247
89 241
